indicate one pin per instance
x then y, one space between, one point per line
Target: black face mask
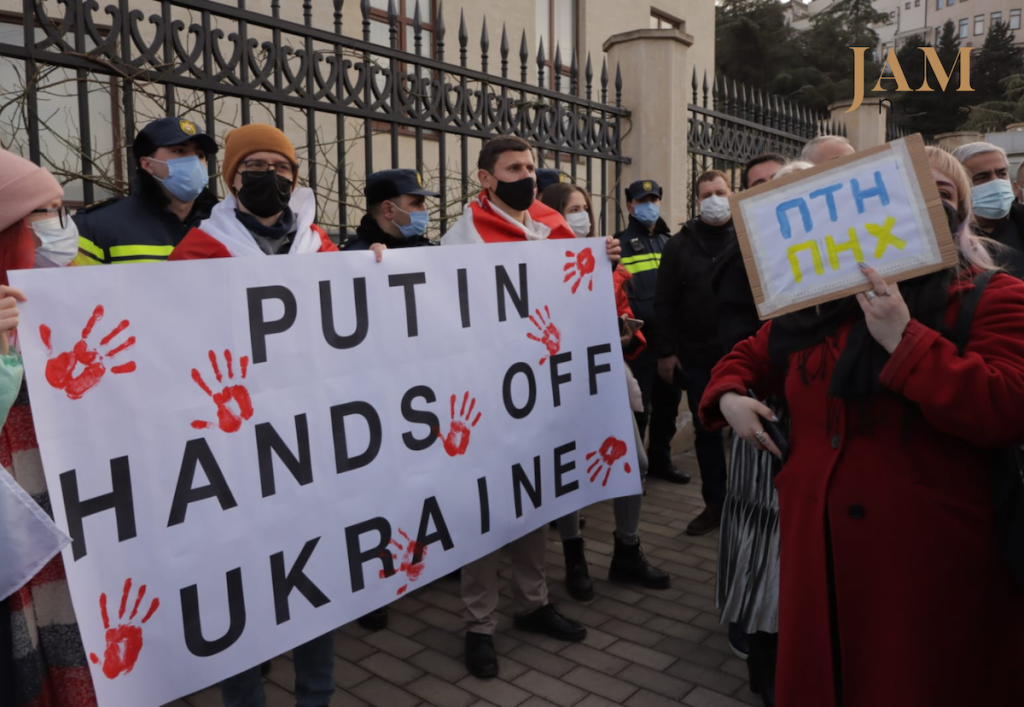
264 193
518 195
952 217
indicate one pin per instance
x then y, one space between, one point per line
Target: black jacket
370 232
641 256
685 311
737 312
136 228
1010 233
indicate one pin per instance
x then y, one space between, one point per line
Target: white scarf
225 227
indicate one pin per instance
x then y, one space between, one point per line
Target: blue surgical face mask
992 199
417 226
647 212
186 177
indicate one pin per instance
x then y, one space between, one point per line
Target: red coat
927 615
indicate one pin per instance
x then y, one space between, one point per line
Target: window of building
1014 19
938 4
659 21
997 17
963 28
917 3
979 24
556 25
892 15
380 33
906 6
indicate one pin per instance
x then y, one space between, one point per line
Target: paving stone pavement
644 648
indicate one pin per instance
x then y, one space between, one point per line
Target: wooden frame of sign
939 234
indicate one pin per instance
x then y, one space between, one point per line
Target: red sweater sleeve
977 396
197 245
620 276
746 367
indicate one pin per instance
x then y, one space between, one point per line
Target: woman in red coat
893 592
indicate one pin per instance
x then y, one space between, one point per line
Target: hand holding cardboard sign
884 310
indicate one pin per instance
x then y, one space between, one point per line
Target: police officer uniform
380 187
641 256
141 228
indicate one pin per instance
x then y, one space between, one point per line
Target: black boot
376 620
577 574
761 666
481 660
630 566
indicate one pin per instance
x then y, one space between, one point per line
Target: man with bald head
825 148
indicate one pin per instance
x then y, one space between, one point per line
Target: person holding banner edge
643 243
266 214
506 211
49 667
886 502
629 564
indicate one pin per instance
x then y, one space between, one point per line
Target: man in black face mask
506 212
265 213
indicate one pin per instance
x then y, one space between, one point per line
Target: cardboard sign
250 452
803 234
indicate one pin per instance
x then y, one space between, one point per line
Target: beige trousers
529 585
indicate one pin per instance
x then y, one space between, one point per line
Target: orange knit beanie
242 142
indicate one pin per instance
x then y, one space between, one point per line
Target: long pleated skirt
748 546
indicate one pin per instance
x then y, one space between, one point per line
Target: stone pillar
654 85
865 127
951 141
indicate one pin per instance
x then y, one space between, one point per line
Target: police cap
171 131
548 177
642 188
389 183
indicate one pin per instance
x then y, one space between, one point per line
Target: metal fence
353 104
730 122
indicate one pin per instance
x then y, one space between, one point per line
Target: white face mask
715 210
57 246
579 222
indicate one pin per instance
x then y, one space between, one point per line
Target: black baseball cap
170 131
643 188
389 183
547 177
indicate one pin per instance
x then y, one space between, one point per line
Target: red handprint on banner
550 336
410 569
228 420
60 369
611 451
457 439
124 641
580 267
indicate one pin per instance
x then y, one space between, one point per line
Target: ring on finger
759 435
871 294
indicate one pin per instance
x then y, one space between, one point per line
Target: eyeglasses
284 169
61 211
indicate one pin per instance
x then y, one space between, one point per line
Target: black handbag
1007 463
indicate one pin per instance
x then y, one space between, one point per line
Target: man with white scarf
265 213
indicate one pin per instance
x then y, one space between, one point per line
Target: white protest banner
803 235
250 452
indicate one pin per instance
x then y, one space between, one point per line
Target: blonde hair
975 251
